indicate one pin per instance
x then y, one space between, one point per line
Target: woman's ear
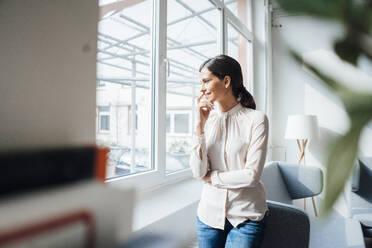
227 81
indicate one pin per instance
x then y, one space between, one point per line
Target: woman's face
213 88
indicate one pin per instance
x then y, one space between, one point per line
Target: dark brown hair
223 65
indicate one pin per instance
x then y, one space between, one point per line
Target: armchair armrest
287 226
301 181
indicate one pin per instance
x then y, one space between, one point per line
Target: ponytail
245 98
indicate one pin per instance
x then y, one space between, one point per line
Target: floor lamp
302 128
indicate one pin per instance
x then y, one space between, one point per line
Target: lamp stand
302 158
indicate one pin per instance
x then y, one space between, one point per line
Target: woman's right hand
203 110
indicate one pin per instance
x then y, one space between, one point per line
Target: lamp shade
301 127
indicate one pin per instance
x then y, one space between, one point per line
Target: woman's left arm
255 161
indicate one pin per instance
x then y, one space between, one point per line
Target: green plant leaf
343 151
327 81
357 105
356 16
341 159
348 50
320 8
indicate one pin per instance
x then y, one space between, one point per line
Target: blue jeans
248 234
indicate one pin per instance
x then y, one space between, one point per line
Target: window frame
249 61
129 121
158 176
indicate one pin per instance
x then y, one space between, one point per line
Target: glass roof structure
124 39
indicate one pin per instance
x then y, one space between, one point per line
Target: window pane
191 39
168 124
105 122
181 123
241 50
130 121
123 71
232 5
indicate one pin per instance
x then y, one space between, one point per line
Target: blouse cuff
215 179
199 138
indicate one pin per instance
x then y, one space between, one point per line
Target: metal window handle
167 63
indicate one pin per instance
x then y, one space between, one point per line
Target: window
168 124
178 133
178 123
148 61
232 5
191 39
104 118
240 49
124 65
129 120
105 122
181 123
100 84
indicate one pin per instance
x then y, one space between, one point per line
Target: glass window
191 39
124 68
105 123
103 119
232 5
125 87
168 124
240 49
130 121
178 123
181 123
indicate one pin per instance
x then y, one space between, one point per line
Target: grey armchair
361 195
287 225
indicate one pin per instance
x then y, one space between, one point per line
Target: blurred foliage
356 18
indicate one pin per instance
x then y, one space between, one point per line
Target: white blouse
233 148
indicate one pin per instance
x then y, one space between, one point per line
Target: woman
228 155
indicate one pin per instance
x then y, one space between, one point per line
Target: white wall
176 218
296 91
48 72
